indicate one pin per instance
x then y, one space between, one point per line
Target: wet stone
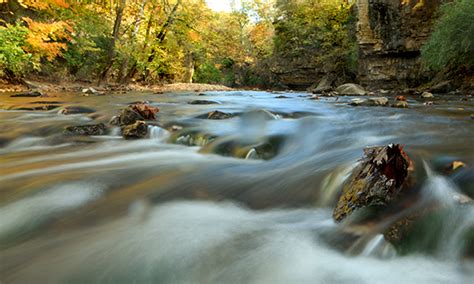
129 116
351 90
47 102
86 130
145 110
76 110
28 95
219 115
380 178
137 130
427 95
115 120
378 101
400 104
38 108
92 91
264 150
202 102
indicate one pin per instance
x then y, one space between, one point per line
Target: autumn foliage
156 41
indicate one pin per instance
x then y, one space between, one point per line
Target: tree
452 44
120 6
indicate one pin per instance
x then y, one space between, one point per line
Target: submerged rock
87 130
219 115
202 102
47 102
36 108
378 101
400 104
378 180
192 137
76 110
139 129
264 150
259 114
351 90
28 95
358 102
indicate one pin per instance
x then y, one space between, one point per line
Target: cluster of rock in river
350 89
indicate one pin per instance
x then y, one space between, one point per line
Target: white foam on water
440 189
118 161
201 242
28 213
158 133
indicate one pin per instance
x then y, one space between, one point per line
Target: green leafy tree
316 30
452 43
14 60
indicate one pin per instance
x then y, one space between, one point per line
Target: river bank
45 85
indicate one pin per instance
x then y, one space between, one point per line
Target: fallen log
380 188
378 180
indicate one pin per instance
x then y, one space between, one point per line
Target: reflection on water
102 209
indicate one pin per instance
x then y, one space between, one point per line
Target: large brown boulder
137 111
129 116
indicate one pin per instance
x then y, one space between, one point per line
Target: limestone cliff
390 34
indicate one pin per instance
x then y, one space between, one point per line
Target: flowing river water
170 209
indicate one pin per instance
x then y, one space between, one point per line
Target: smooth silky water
103 209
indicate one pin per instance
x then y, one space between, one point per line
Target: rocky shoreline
87 87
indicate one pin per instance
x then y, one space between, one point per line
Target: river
167 209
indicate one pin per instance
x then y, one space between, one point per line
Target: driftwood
379 180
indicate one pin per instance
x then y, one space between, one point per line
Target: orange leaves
194 36
145 110
47 39
61 3
43 4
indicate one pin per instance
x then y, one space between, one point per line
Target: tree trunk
138 20
160 36
115 36
189 62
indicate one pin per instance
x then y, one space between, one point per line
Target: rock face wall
390 34
297 73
